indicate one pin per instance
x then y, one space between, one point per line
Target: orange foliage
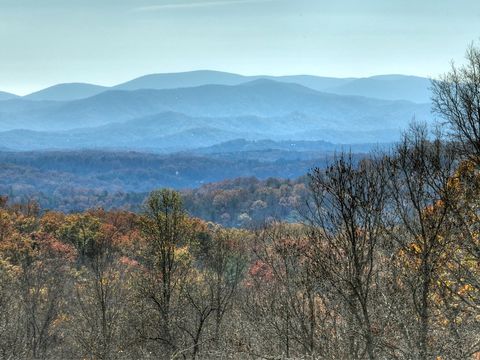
261 271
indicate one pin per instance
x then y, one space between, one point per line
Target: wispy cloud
196 4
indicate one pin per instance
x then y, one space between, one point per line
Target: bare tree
282 299
223 262
419 174
346 221
165 227
100 300
456 98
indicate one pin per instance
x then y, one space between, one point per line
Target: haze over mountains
75 141
184 111
388 87
66 92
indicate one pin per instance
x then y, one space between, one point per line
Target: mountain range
388 87
66 92
187 111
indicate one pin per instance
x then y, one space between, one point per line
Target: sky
44 42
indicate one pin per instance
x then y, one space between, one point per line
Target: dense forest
249 202
74 181
240 202
33 173
381 260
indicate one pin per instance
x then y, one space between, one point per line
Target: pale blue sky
43 42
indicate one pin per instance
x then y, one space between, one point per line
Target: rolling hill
170 132
66 92
387 87
260 98
183 80
209 77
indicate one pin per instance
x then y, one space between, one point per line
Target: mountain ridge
261 98
66 92
414 88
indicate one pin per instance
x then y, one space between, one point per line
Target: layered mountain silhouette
388 87
184 79
185 111
67 92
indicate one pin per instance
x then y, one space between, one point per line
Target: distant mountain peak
393 77
7 96
182 79
67 92
386 87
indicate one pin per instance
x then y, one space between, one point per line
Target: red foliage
54 248
261 270
124 260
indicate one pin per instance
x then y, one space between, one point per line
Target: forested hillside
129 171
239 180
383 265
379 261
240 202
243 185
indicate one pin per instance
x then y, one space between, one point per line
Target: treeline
241 202
385 265
28 174
249 202
72 181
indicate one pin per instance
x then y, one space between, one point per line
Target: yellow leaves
61 318
414 247
445 283
197 277
475 235
467 288
104 281
6 219
51 221
453 184
466 167
183 256
434 210
25 224
441 239
17 248
9 270
58 322
182 252
79 228
465 183
409 256
38 292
